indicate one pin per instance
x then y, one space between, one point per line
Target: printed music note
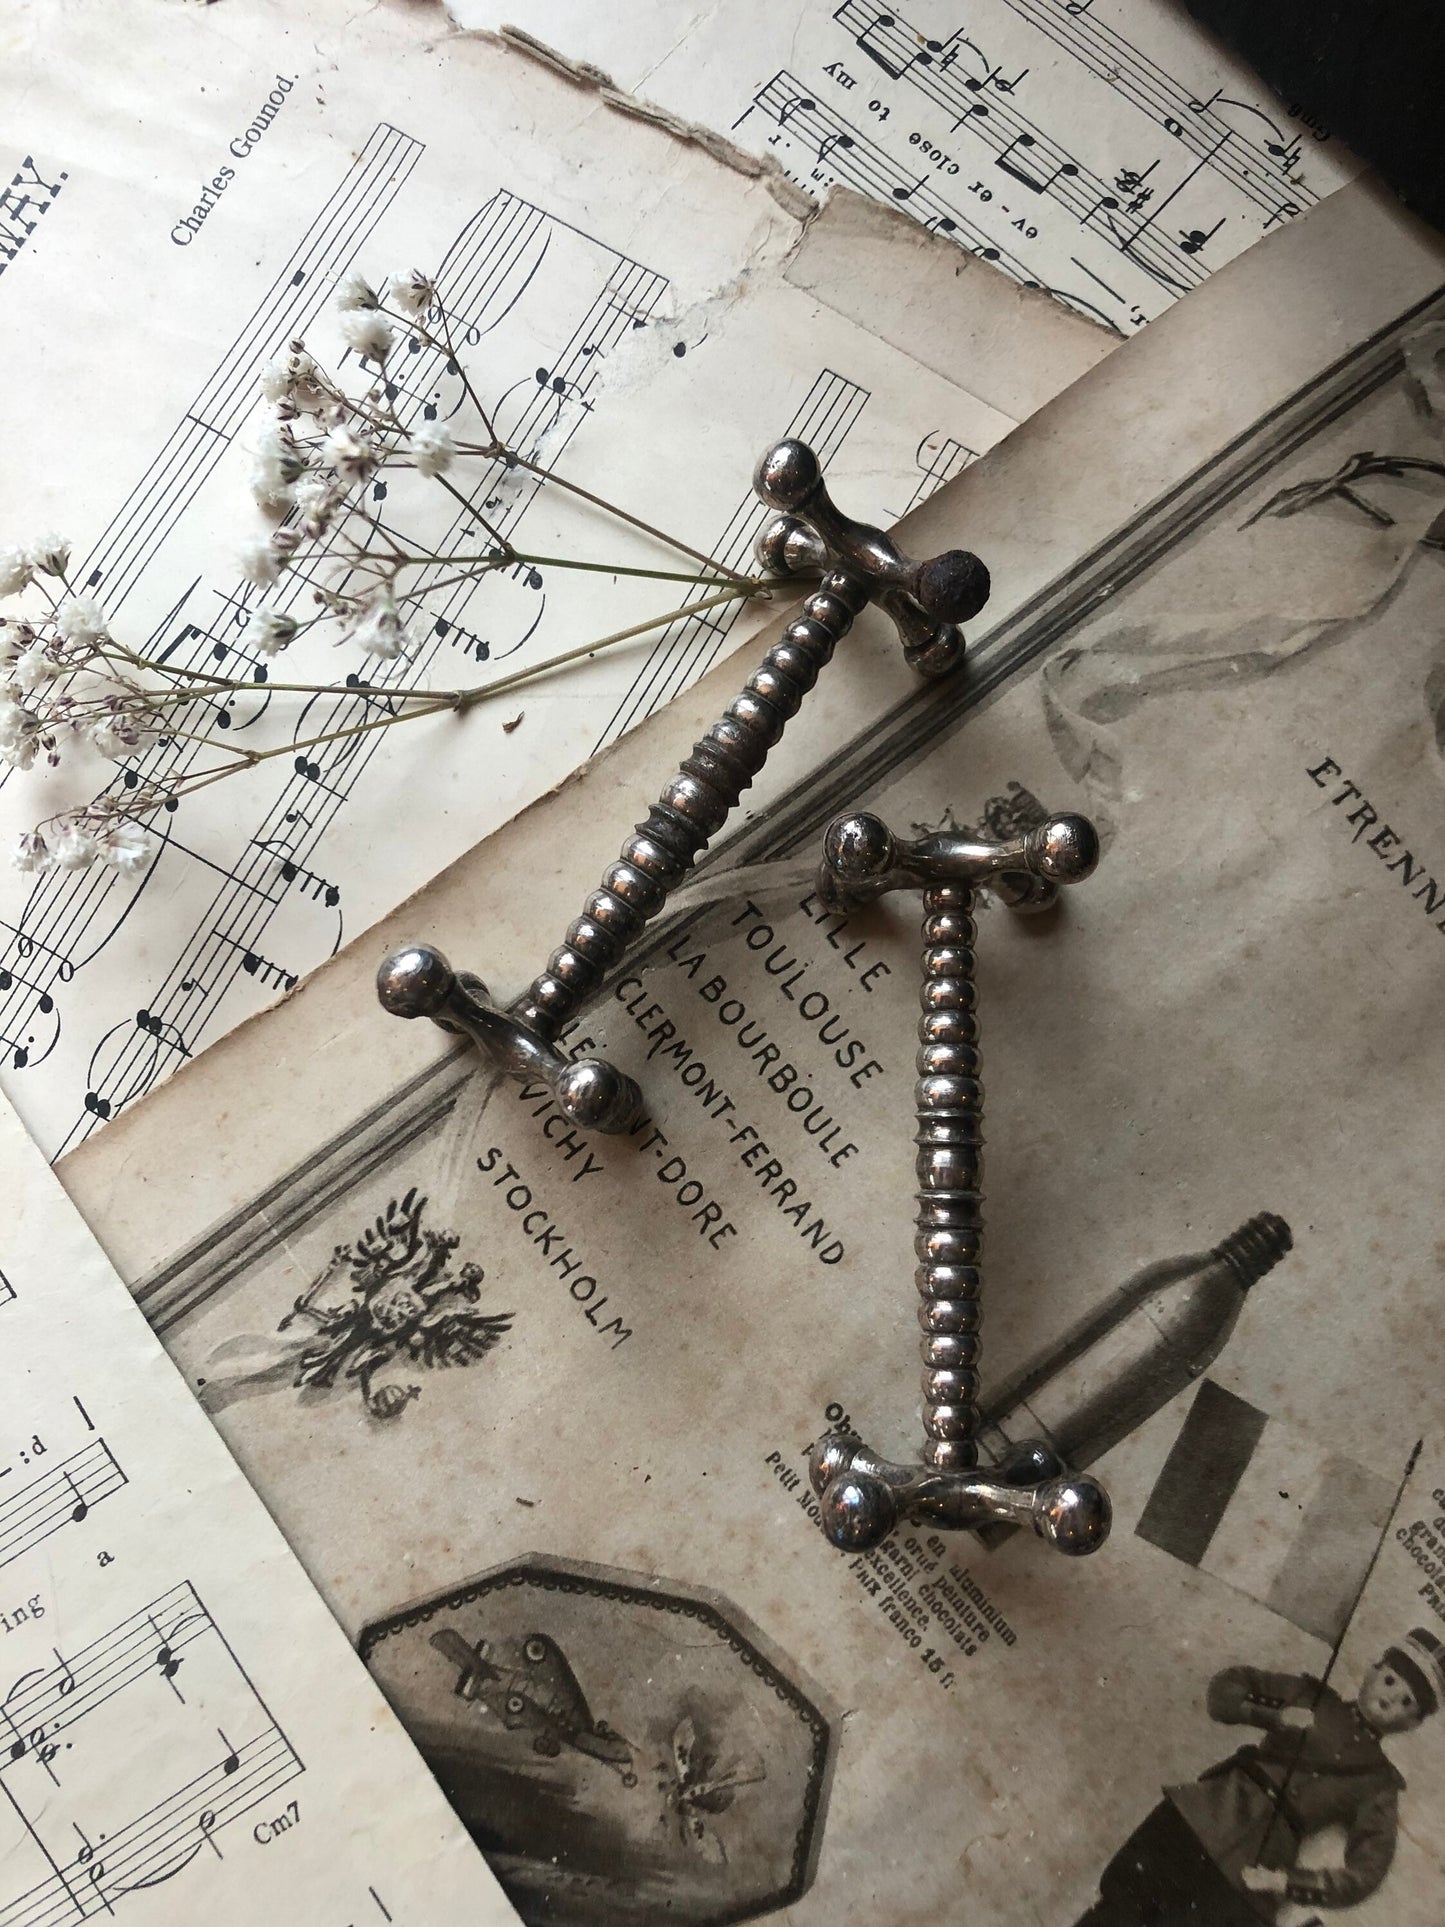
62 1497
995 79
1027 142
826 147
881 24
800 104
1286 211
907 193
7 1290
1194 239
255 965
106 1836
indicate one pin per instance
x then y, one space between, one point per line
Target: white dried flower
34 669
124 728
125 847
269 630
316 499
81 619
262 559
71 846
16 722
411 291
111 736
15 639
370 335
380 631
21 754
433 448
50 554
349 454
356 294
295 378
31 851
17 571
279 462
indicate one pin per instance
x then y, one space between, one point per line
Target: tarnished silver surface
857 565
419 982
862 1497
862 860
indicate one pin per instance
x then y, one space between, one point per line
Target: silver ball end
786 546
856 848
1073 1514
940 655
831 1457
598 1097
415 981
1065 849
858 1512
787 475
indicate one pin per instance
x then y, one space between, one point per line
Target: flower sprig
70 684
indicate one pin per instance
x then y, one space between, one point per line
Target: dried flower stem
64 676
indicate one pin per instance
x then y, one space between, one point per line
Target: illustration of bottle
1125 1360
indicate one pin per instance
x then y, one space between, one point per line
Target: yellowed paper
190 186
1213 1144
184 1734
1108 151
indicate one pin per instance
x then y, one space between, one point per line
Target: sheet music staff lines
83 892
297 294
693 643
496 257
1021 149
134 536
169 1668
1251 162
843 153
837 150
62 1495
947 458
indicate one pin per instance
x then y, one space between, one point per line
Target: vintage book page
184 1734
1213 1151
189 187
1108 150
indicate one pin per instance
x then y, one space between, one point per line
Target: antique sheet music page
1214 1146
187 186
184 1733
1108 150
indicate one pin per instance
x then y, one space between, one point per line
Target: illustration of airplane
541 1697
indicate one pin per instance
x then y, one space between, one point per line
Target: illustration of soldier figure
1223 1850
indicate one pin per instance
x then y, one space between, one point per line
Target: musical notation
92 1837
1250 150
689 646
61 1496
1120 203
805 125
69 918
7 1290
1042 139
939 458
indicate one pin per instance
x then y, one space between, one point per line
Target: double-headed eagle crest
393 1296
